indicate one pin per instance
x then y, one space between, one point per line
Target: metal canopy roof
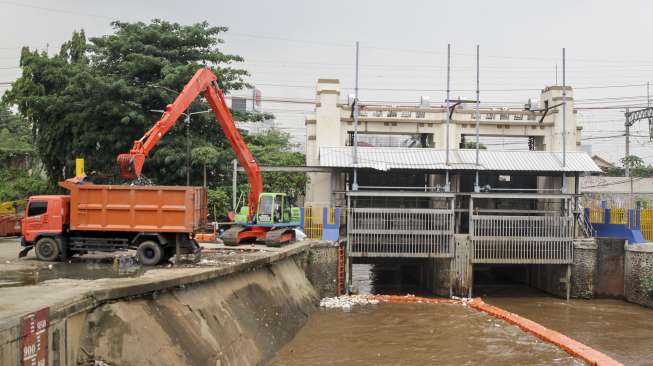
387 158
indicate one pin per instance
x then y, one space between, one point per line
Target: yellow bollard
79 167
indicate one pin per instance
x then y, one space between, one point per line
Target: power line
54 10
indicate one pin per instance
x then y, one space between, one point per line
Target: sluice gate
401 232
447 242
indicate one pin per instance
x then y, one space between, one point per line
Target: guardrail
400 232
638 219
522 239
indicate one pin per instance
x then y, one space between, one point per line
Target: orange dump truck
154 220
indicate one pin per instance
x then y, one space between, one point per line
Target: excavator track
230 236
278 237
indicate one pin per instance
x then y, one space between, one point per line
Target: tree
204 155
632 162
15 135
636 165
94 98
274 148
19 177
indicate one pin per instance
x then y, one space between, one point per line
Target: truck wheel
149 253
47 249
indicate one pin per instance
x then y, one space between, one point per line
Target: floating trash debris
345 302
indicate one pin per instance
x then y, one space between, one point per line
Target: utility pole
447 184
627 166
564 124
234 185
477 187
355 157
187 149
648 105
627 161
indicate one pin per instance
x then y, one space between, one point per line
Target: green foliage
15 135
204 155
632 162
94 98
219 204
17 184
638 168
274 148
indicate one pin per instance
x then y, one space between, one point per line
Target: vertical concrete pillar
323 129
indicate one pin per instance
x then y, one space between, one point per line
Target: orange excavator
268 217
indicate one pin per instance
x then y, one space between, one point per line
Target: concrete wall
610 268
583 271
242 319
551 278
638 267
320 264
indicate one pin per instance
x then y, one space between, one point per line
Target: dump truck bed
175 209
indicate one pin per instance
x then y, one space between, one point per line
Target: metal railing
400 232
646 223
313 218
596 215
522 239
619 216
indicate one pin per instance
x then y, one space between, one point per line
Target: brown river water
415 334
622 330
442 334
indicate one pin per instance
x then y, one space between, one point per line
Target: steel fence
596 215
400 232
619 216
522 239
313 219
646 223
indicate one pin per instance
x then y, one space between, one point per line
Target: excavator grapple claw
130 165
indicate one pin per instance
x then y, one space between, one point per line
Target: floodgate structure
415 197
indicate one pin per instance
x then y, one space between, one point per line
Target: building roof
602 163
387 158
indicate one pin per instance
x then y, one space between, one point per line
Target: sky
288 45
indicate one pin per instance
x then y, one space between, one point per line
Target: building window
489 116
504 117
420 114
531 117
378 114
406 114
391 114
362 114
394 123
519 117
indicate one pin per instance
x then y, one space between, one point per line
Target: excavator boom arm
204 81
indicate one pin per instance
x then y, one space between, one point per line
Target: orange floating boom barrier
567 344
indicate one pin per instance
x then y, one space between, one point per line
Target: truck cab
44 223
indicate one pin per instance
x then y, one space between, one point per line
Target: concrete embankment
232 313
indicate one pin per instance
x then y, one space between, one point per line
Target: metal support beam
234 185
568 281
292 169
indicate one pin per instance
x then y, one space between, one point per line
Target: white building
331 127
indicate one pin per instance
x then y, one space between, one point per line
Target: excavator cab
273 208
